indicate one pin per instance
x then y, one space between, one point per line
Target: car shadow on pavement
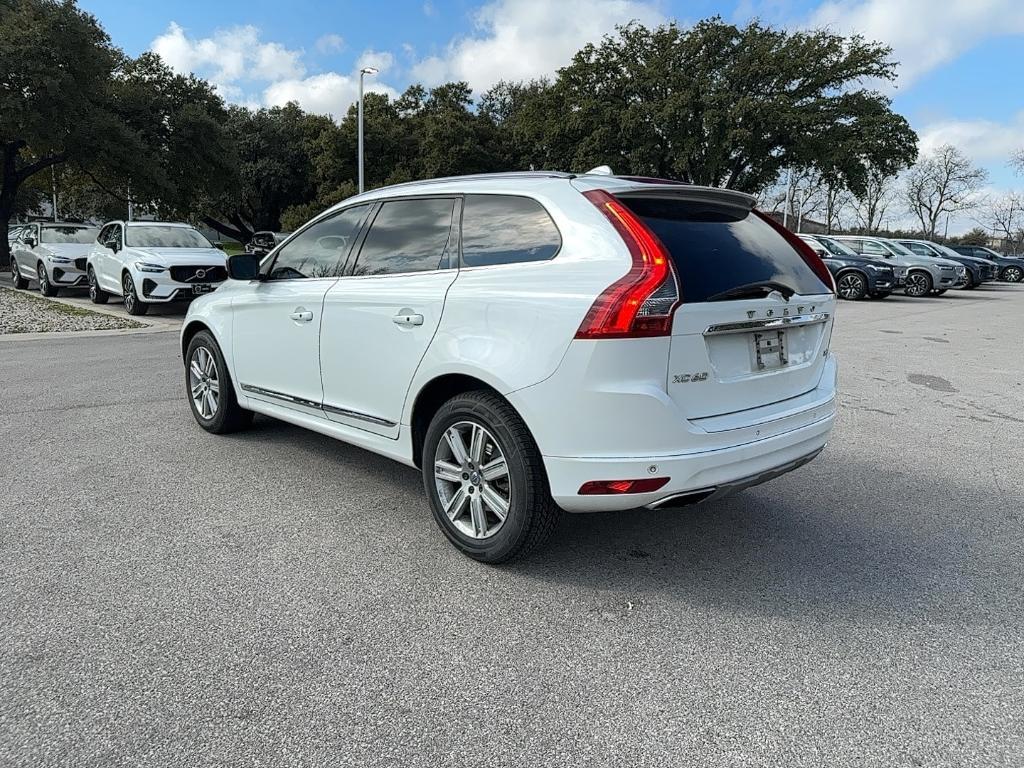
839 537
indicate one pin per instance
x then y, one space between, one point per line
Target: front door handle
301 315
407 319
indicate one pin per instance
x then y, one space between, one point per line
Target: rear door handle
301 315
407 319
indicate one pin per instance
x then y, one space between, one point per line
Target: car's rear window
716 248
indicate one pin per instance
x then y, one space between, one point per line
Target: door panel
275 341
374 335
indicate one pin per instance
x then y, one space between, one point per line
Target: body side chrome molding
254 390
773 322
356 415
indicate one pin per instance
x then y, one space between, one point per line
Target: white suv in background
532 341
54 254
149 262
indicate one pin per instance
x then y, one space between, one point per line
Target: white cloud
523 39
330 43
228 57
981 140
329 93
381 60
429 9
924 34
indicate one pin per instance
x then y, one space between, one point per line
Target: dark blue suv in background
1011 268
856 276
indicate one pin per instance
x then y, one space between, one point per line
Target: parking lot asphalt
168 597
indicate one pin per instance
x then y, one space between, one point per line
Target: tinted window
873 249
836 248
502 229
321 249
165 237
920 249
716 248
69 234
407 236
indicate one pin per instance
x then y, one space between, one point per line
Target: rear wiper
754 291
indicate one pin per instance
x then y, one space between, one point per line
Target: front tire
970 283
852 286
918 284
96 294
211 395
19 282
132 303
485 479
46 288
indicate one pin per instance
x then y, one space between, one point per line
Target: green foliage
713 104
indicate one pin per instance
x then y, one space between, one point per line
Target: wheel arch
435 393
189 331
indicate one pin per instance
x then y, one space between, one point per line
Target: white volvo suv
53 254
149 262
532 342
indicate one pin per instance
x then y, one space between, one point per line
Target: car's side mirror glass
219 246
30 241
244 266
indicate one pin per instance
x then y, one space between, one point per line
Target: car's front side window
407 236
874 249
320 250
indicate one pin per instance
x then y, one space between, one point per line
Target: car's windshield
895 248
835 247
164 237
68 234
948 253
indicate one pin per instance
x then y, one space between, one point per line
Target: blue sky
961 74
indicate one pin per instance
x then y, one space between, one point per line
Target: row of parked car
875 267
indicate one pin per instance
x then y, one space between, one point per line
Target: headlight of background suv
143 266
59 259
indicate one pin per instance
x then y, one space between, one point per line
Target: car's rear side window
407 236
506 229
716 248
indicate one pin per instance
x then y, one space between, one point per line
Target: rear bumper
709 473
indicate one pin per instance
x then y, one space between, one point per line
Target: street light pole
362 72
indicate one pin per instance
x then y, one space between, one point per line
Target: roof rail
473 176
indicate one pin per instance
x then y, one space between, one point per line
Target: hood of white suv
175 257
67 250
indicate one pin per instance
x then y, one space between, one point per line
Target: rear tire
132 304
211 395
96 294
1012 274
479 457
45 286
19 282
852 286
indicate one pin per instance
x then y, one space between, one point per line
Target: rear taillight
812 259
640 303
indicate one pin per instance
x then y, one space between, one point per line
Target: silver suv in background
925 274
978 270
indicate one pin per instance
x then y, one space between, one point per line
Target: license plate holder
201 288
770 349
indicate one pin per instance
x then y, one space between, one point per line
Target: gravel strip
22 312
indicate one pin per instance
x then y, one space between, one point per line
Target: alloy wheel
851 287
43 280
14 270
917 284
129 293
1013 274
203 383
472 480
92 286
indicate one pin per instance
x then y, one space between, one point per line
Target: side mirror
244 266
30 241
219 246
114 245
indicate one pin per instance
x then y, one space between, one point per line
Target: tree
976 236
1005 216
943 183
713 104
1017 161
56 63
871 205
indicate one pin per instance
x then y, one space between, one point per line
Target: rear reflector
641 302
807 253
618 487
